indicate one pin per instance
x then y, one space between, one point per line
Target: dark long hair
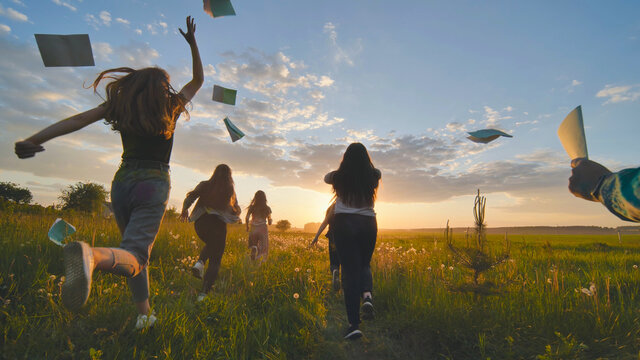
217 192
141 101
356 180
258 206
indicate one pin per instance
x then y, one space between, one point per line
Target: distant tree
88 197
12 192
283 225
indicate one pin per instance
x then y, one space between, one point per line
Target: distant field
546 307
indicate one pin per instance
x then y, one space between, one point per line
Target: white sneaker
145 322
198 269
78 264
201 297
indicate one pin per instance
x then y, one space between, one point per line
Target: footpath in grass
559 297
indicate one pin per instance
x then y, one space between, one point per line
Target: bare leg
143 307
116 261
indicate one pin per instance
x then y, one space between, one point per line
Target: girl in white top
355 230
259 216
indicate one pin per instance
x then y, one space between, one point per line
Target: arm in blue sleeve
620 193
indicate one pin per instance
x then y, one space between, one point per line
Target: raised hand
585 175
191 29
26 149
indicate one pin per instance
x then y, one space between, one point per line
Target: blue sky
408 80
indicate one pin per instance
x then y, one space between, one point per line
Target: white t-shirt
342 208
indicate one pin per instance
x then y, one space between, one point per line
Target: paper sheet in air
234 132
60 230
65 50
224 95
571 134
217 8
486 135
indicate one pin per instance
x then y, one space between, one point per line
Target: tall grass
541 310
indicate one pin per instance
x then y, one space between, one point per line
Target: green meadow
557 297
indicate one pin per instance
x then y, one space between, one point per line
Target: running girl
217 206
355 230
143 107
334 258
260 214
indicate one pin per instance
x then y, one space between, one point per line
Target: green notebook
217 8
224 95
234 132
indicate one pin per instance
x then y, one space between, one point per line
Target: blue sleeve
620 193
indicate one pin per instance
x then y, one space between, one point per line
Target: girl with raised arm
258 216
217 206
355 230
143 107
334 258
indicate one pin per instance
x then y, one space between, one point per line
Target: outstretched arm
246 219
188 200
192 87
320 230
29 147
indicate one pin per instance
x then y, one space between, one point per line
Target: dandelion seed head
296 295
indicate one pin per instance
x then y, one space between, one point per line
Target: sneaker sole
368 312
354 335
76 288
196 273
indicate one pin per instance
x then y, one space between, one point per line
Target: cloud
493 118
102 51
138 31
105 16
617 94
13 14
341 54
19 2
158 26
4 29
65 4
576 83
136 55
123 21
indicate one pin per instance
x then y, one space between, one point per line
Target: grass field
546 307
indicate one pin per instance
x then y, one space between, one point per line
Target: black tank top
155 148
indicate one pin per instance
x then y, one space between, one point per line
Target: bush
87 197
12 192
283 225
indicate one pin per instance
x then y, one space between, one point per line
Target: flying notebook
224 95
234 132
571 134
60 230
486 135
65 50
217 8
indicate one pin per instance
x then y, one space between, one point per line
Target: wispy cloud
123 21
65 4
341 54
617 94
4 29
13 14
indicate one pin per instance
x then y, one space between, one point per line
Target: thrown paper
571 134
60 230
65 50
224 95
486 135
217 8
234 132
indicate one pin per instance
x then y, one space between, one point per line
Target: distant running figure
334 258
143 107
355 230
619 192
258 216
217 206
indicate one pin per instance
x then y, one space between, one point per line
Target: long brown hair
258 206
218 192
141 102
356 180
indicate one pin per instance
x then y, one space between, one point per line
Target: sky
408 79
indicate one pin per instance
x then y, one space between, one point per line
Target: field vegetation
557 297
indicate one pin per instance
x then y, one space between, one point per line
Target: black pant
355 239
213 232
334 258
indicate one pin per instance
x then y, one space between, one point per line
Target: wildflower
52 277
429 268
296 296
635 267
250 283
549 280
592 288
586 292
441 266
450 268
297 269
308 270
